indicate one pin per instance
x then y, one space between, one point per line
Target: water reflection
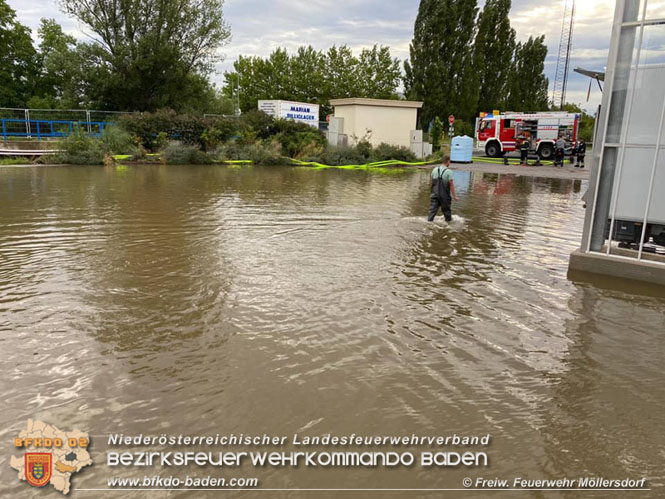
601 412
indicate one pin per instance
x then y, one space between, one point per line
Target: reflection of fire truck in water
499 134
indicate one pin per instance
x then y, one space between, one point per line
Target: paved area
568 171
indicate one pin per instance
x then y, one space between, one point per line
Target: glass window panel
649 93
656 215
633 10
602 204
631 199
655 9
622 77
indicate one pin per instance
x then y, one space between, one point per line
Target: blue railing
49 128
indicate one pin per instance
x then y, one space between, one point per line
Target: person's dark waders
440 198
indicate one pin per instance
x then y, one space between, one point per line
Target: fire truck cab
499 134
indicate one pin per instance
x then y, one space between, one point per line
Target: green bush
294 143
118 141
161 141
365 150
362 153
338 156
259 123
295 138
147 126
259 153
385 151
311 150
186 128
265 153
176 154
219 131
230 151
80 149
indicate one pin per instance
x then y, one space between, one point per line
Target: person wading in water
443 191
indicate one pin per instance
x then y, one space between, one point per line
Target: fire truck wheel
546 152
493 150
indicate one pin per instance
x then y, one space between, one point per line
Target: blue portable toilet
461 149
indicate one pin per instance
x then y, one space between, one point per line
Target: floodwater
213 300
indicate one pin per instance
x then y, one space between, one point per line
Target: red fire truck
499 134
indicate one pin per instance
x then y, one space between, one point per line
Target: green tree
527 88
218 103
150 54
587 122
440 70
436 134
492 55
378 74
58 81
18 64
255 78
307 74
341 77
313 76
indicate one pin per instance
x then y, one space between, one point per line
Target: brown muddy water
213 300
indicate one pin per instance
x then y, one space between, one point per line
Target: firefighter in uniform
524 151
581 152
559 152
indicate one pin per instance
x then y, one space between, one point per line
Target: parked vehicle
498 134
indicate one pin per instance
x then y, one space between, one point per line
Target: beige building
381 120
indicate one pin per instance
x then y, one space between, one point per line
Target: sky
260 26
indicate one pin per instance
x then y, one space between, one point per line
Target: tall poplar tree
527 88
440 71
493 53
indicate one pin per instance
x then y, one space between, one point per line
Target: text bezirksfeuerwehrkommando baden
119 439
319 457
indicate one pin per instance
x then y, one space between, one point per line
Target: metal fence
53 123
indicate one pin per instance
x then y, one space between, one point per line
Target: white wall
392 125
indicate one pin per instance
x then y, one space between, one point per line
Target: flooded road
213 300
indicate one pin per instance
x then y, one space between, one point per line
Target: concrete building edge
583 265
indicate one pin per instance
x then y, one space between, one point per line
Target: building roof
376 102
